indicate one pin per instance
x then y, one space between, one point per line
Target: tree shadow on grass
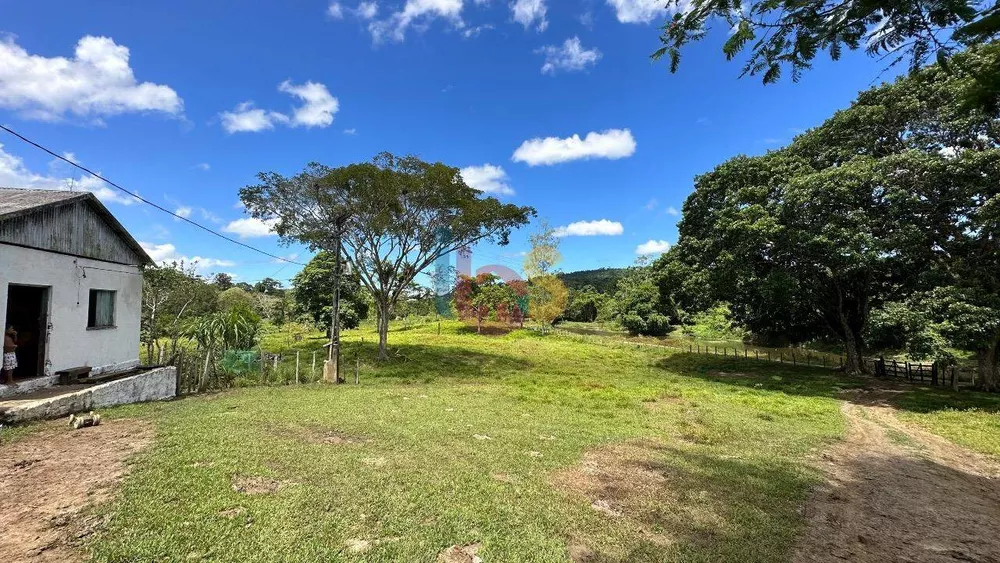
825 382
413 362
660 502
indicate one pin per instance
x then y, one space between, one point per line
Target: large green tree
853 214
313 292
396 217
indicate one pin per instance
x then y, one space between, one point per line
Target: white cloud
672 211
611 144
351 131
184 212
645 11
475 31
601 227
95 83
209 216
248 119
652 247
166 253
651 204
367 10
203 166
335 10
528 12
250 227
487 178
421 11
15 174
317 110
569 57
319 106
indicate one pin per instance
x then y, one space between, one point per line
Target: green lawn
502 440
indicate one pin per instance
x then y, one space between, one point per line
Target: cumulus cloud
183 211
245 118
601 227
652 247
570 56
611 144
15 174
335 10
203 166
166 253
250 227
530 13
644 11
672 211
367 10
96 82
415 11
317 110
487 178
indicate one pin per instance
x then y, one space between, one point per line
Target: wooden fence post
296 367
178 362
357 369
312 373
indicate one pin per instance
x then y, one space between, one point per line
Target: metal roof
18 202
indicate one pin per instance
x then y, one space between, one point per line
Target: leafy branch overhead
789 34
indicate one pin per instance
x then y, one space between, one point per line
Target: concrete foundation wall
155 385
70 279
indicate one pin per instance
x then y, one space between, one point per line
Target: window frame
92 309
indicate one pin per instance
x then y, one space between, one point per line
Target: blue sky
185 102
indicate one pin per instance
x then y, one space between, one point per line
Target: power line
146 201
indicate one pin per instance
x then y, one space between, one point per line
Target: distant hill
603 280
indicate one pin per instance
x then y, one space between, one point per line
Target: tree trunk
854 364
383 330
479 324
989 367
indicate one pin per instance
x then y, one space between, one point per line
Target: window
101 313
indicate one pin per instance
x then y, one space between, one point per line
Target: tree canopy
888 198
313 290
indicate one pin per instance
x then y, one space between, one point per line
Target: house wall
70 343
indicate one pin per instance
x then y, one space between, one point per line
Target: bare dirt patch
629 484
257 484
51 480
897 493
460 554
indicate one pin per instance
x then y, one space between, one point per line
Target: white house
70 283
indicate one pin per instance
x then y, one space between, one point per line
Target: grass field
538 447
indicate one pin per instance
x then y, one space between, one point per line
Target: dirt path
51 477
897 493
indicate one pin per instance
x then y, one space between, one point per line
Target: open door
27 312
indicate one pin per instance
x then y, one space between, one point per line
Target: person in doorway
9 354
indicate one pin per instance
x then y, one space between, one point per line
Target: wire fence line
200 371
934 373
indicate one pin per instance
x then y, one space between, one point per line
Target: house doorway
27 312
